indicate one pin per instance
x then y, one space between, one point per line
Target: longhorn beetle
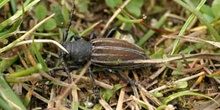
108 53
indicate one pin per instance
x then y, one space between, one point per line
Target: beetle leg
119 74
64 39
66 69
69 23
113 30
93 35
52 70
95 87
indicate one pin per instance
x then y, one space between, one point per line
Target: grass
183 71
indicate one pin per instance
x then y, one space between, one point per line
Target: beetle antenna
70 22
64 40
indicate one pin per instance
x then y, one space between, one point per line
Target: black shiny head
79 51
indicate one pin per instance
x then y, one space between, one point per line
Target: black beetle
104 52
109 53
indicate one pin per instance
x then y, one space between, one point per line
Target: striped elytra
116 53
105 52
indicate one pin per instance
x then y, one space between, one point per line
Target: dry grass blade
199 55
73 86
184 79
75 98
193 39
32 77
40 97
87 79
150 107
149 95
105 104
99 83
141 102
83 72
186 70
44 74
114 16
43 41
120 100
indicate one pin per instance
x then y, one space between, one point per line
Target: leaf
158 54
182 84
205 9
50 24
113 3
209 18
134 7
41 28
107 94
58 14
65 14
177 73
215 7
157 94
82 5
41 12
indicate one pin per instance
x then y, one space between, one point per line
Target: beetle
104 52
107 53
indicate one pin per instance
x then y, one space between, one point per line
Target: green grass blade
5 63
187 23
9 46
11 31
26 72
9 96
17 15
89 29
151 32
2 3
4 105
6 93
39 57
183 93
201 18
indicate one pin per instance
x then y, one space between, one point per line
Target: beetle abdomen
115 53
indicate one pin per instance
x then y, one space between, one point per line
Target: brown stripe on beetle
116 53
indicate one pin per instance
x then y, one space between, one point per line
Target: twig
184 79
114 16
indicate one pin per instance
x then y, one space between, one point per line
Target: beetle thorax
79 51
